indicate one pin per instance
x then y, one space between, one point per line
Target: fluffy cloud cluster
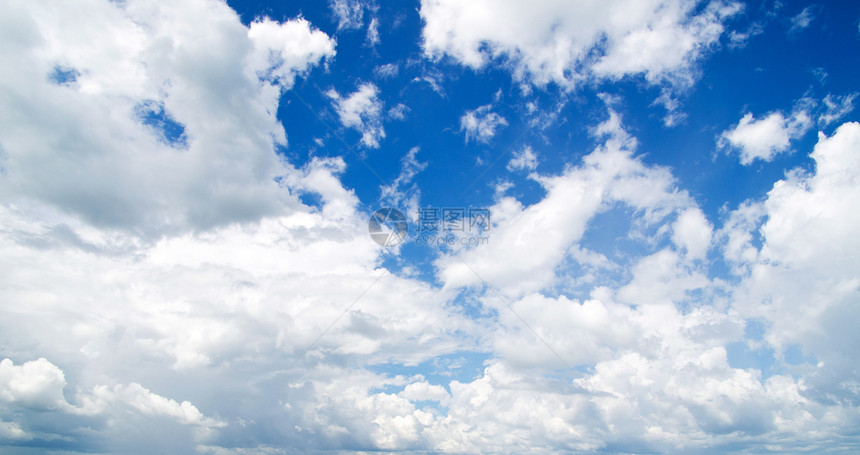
244 313
569 42
39 386
128 73
160 275
803 278
766 137
530 242
662 345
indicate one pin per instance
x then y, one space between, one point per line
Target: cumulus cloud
283 330
132 232
37 384
481 124
638 341
529 242
148 403
127 56
283 50
569 42
804 266
361 110
692 232
654 367
191 307
764 138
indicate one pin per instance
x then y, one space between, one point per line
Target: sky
622 227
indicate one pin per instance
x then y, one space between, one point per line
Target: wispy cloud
481 124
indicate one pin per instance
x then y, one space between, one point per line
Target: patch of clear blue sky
771 72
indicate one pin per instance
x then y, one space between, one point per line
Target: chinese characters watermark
436 226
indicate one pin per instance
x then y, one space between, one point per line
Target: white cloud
387 70
283 50
527 243
836 107
481 124
349 13
177 265
219 337
737 235
37 384
402 193
138 53
399 111
361 110
674 115
803 19
373 32
796 253
12 431
692 232
148 403
740 39
525 159
661 278
422 391
663 376
568 42
238 304
766 137
805 267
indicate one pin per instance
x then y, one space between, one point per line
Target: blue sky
671 264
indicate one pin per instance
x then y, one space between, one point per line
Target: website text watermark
436 226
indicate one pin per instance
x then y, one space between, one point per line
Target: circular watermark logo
388 227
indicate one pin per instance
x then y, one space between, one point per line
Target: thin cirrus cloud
348 13
804 18
481 124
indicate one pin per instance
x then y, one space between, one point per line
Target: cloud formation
525 159
481 124
764 138
124 56
568 43
165 270
361 110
